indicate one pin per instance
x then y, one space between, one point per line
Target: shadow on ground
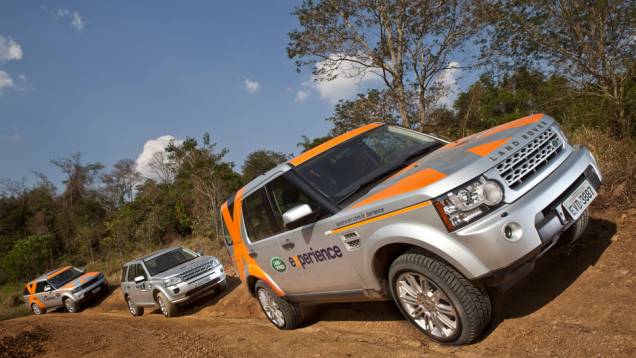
553 274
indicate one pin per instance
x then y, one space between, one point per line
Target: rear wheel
438 300
133 308
167 308
71 305
37 310
283 314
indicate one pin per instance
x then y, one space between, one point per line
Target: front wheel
71 305
438 300
167 308
283 314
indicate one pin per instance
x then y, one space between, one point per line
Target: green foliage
260 161
27 258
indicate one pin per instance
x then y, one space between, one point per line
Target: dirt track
578 302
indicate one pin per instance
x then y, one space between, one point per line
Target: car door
145 287
133 288
52 297
303 258
261 228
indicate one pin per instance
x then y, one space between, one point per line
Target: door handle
253 253
288 245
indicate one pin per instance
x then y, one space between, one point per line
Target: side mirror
83 269
293 217
47 288
140 279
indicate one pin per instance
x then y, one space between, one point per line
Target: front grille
186 276
531 158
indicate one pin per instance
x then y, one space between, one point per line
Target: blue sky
104 78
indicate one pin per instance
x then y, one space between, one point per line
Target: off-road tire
71 306
470 300
168 309
576 230
134 310
292 313
221 287
37 310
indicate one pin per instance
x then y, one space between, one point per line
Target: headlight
215 262
468 202
173 281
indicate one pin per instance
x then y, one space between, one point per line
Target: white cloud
11 139
9 49
76 20
301 96
448 80
5 81
348 80
251 86
154 150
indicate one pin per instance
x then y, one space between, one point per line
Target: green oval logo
278 264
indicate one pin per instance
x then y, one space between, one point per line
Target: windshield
344 170
168 260
63 278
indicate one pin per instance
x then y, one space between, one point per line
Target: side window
286 195
123 273
259 217
39 288
132 269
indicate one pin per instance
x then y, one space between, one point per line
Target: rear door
52 298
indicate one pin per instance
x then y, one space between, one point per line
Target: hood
186 266
81 280
459 161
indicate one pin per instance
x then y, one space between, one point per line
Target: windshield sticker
315 256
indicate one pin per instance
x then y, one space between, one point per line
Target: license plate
576 203
96 290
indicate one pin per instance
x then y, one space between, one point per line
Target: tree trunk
421 106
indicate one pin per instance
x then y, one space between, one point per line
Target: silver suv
64 287
383 212
170 277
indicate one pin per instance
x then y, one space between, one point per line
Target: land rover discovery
384 212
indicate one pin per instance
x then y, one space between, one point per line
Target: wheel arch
389 242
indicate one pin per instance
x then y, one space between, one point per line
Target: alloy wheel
271 308
428 305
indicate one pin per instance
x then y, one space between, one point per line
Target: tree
374 106
589 42
27 258
260 161
407 43
308 143
79 177
120 183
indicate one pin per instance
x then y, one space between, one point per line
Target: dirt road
578 302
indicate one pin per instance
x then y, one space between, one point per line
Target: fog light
512 231
176 290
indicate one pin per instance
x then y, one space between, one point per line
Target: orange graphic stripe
332 143
483 150
412 182
381 217
57 272
514 124
32 298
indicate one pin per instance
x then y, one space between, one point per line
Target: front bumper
534 213
100 287
199 286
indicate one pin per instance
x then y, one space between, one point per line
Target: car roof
45 276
